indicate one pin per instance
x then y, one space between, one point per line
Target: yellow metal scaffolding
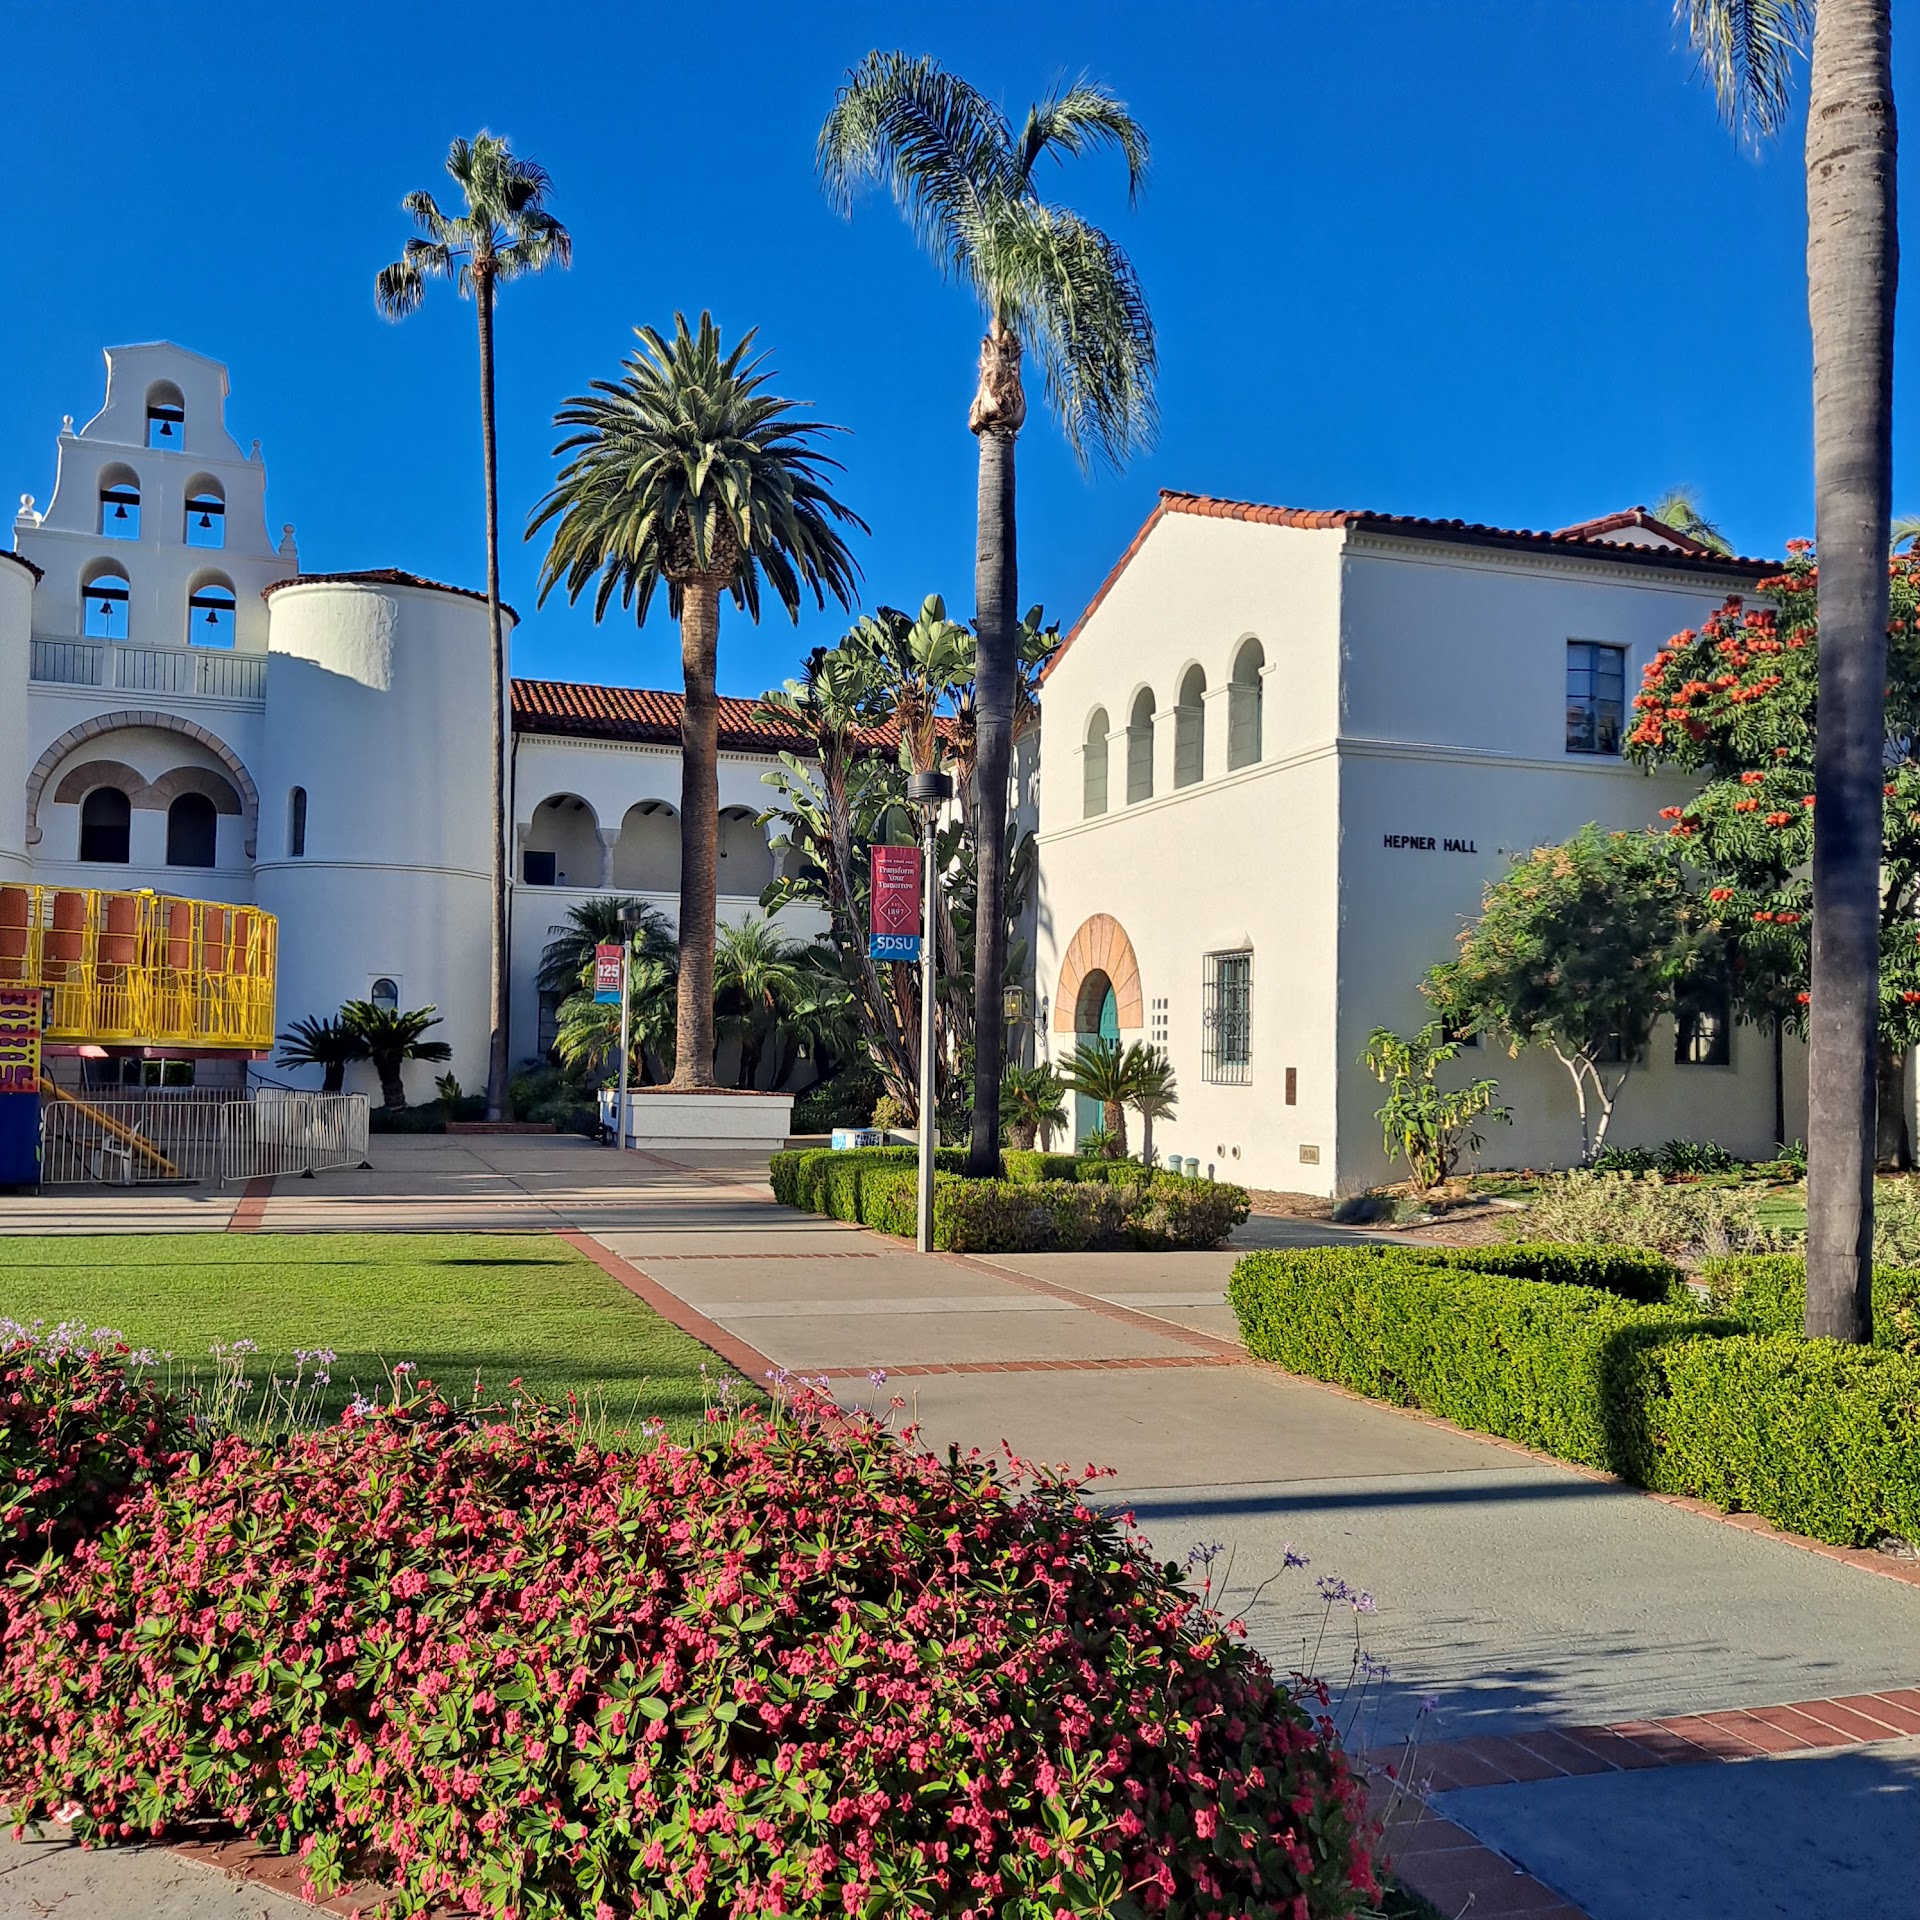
141 969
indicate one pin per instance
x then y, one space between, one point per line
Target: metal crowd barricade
286 1131
163 1138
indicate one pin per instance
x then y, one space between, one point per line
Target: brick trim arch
104 723
178 780
78 782
1101 945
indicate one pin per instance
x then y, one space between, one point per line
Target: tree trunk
1779 1084
497 666
1893 1140
335 1076
998 410
393 1089
1852 267
699 830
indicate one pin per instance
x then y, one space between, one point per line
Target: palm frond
939 146
1746 50
686 467
1678 509
1905 532
1073 296
1084 117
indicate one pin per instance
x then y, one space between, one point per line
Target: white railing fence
167 1137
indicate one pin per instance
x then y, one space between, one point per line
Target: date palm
597 922
1749 48
505 233
1048 280
687 471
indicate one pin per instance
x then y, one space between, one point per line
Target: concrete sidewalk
1518 1595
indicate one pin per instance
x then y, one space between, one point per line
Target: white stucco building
1283 752
182 709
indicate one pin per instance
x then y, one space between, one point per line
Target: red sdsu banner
893 920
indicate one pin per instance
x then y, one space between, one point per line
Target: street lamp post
927 793
629 919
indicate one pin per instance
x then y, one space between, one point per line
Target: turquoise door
1086 1112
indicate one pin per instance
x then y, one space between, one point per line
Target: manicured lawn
452 1304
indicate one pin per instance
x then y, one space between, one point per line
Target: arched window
166 416
646 857
1190 730
297 823
210 615
119 503
206 512
562 847
104 605
106 826
385 994
1243 706
1093 775
1140 748
743 846
192 830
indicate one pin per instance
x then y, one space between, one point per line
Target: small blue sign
610 999
893 946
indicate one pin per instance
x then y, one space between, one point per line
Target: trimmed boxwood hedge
1819 1438
1767 1293
1048 1202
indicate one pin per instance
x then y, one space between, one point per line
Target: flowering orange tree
1736 703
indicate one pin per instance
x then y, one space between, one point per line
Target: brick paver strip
1229 1351
749 1362
919 1370
252 1208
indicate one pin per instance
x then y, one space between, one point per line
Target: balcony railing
205 672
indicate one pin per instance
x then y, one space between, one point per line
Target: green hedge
1049 1202
1634 1273
1818 1438
1767 1293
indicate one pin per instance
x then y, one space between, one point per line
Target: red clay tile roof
577 709
7 553
1645 522
380 577
1413 526
582 711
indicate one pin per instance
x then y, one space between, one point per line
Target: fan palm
596 922
1748 49
1032 1103
1101 1070
505 234
685 470
329 1044
589 1029
1151 1091
391 1039
1046 279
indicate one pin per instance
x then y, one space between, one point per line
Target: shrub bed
1048 1202
1818 1438
796 1668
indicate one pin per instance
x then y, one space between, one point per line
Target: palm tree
685 470
329 1044
589 1029
1747 48
505 233
1101 1070
392 1038
1906 530
1678 509
1032 1103
1045 278
1151 1091
596 922
757 974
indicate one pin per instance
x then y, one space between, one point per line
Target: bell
213 618
120 512
206 519
106 608
166 429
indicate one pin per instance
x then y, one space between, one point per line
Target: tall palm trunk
999 410
1852 267
497 664
699 829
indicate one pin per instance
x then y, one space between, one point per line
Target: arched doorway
1096 1016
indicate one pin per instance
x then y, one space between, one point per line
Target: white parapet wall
671 1120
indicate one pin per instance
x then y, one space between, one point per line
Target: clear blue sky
1495 259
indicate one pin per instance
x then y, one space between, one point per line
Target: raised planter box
679 1120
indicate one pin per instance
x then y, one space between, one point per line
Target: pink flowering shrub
80 1426
796 1668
